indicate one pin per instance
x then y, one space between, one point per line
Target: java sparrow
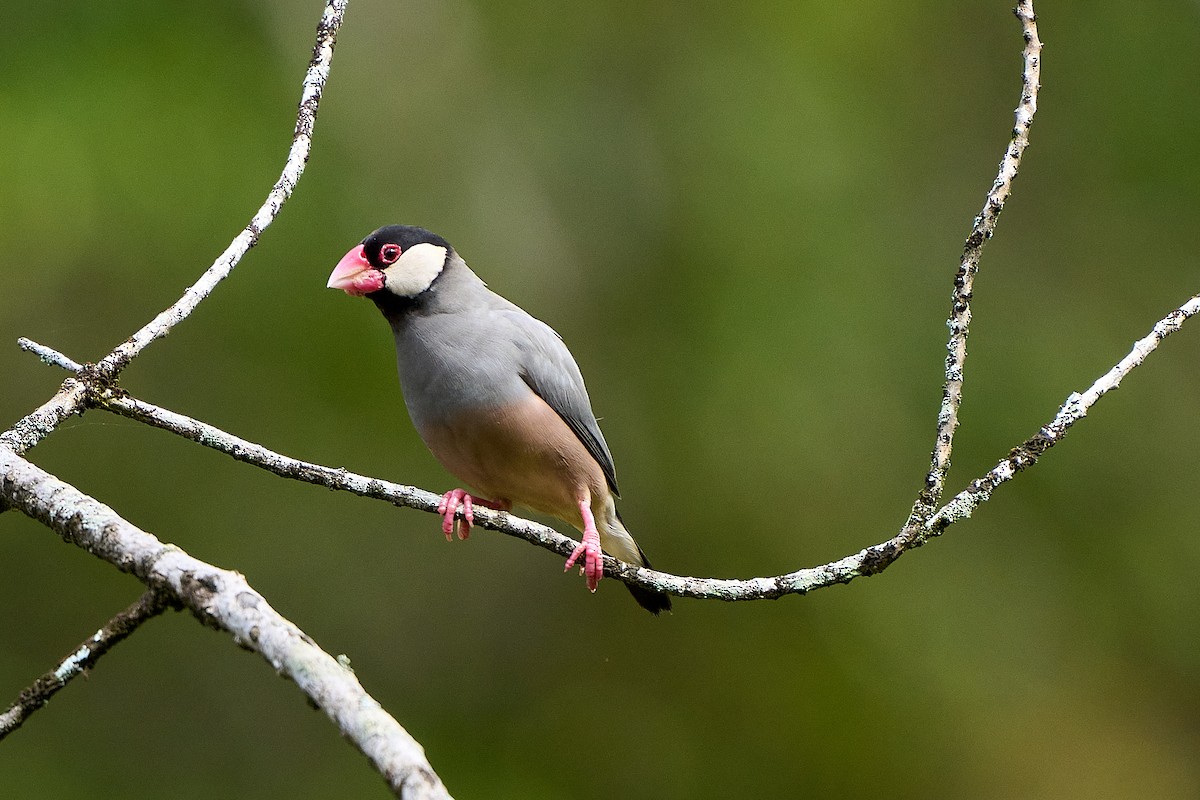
494 394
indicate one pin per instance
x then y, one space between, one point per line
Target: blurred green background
745 223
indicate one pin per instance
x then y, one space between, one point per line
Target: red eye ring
389 253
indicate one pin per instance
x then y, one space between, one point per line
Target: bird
495 395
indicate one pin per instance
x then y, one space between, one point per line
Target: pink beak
354 274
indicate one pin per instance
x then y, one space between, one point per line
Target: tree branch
83 658
41 422
35 426
224 600
982 229
869 561
1072 411
310 99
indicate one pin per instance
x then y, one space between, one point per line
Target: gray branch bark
225 600
82 658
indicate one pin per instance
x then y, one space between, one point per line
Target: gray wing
548 368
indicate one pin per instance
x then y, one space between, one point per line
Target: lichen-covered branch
225 600
82 658
982 229
41 422
868 561
1072 411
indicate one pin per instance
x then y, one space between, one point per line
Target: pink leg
593 565
451 501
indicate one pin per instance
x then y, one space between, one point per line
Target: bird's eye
389 253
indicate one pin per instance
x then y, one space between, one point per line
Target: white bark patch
73 664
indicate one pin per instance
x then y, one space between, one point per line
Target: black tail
654 602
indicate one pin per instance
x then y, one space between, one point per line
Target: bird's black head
402 236
400 261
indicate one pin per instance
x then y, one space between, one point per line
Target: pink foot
452 500
447 508
592 566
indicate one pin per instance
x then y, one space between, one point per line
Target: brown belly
523 454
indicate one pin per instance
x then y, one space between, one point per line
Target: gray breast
451 363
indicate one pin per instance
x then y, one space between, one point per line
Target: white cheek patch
415 270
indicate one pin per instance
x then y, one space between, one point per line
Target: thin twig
69 399
41 422
869 561
49 356
82 659
310 98
225 600
1072 411
984 226
30 430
